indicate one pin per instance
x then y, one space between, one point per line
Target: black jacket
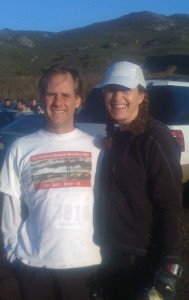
140 207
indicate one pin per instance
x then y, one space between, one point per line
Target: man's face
60 102
123 103
20 106
7 103
33 102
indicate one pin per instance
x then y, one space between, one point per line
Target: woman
140 208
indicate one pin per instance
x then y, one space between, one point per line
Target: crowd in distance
22 105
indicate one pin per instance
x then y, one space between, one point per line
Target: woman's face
122 103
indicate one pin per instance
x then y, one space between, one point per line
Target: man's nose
57 100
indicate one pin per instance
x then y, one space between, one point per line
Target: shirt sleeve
11 223
10 178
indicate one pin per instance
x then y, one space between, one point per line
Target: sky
61 15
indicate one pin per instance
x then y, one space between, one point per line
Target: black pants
53 284
126 276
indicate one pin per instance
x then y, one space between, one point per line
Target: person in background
48 181
139 211
7 103
21 105
35 107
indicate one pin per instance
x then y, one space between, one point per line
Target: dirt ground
9 289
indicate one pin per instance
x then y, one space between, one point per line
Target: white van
169 103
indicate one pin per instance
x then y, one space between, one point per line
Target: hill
155 41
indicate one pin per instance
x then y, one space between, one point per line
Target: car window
93 110
170 104
25 124
6 118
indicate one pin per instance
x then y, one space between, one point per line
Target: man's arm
11 222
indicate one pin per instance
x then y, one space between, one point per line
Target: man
35 107
7 103
21 105
48 181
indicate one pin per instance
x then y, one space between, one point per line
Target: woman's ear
141 97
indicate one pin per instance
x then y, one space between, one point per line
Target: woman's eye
115 89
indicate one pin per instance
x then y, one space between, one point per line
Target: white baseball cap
124 73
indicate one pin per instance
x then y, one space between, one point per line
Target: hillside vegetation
155 41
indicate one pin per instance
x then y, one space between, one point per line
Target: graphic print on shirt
61 169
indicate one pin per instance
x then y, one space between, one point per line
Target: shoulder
25 141
159 135
155 127
95 141
158 131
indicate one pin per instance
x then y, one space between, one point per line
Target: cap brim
120 80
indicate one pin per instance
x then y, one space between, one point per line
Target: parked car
26 124
169 103
7 116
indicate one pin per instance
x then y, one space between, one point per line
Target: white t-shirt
56 182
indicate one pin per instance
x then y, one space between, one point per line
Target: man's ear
78 102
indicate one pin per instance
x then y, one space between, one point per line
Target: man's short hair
60 69
22 101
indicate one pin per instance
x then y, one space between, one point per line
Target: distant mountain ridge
153 40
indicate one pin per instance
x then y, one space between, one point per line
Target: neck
123 126
58 130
